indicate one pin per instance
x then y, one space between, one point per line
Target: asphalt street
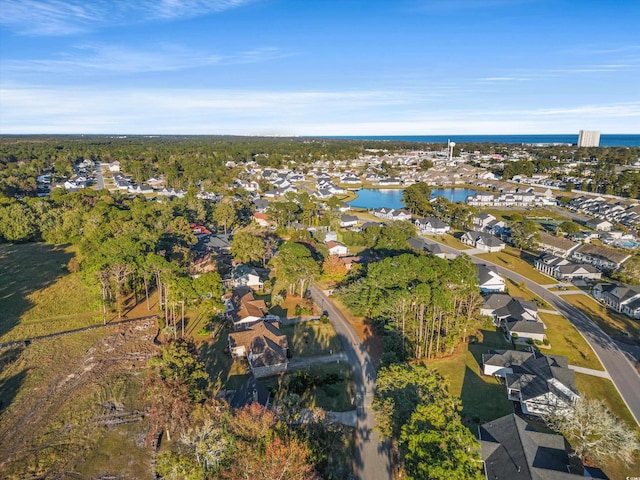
372 456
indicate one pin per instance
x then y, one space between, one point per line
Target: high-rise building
589 138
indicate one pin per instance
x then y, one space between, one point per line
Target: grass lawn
515 290
288 307
613 323
511 258
483 398
602 388
450 240
309 339
565 340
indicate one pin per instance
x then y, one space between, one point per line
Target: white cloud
64 17
252 112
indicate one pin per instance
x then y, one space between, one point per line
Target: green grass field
309 339
603 389
483 398
613 323
37 294
513 259
565 340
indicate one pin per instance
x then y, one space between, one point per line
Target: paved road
372 456
99 177
622 372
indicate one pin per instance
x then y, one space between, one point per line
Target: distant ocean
606 140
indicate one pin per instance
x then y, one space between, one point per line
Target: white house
542 384
337 248
489 280
348 221
432 226
483 241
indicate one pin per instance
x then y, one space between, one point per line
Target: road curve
372 456
623 374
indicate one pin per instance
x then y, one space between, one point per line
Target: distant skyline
319 67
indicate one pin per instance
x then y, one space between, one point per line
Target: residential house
420 245
624 299
432 226
606 259
562 269
261 205
400 215
517 317
483 220
482 241
264 346
556 245
489 280
348 221
244 310
251 391
600 224
199 230
512 449
214 243
337 248
599 289
540 383
245 276
261 219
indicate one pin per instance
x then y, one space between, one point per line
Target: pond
392 197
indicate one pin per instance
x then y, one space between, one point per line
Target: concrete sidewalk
306 362
590 371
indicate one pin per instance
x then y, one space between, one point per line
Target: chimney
255 395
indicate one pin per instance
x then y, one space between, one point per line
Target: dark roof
512 449
615 256
525 326
496 301
433 221
251 391
348 218
516 308
484 273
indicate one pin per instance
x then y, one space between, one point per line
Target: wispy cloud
64 17
295 112
91 58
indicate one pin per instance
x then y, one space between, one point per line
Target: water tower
450 146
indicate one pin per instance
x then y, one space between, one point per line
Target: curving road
372 456
623 374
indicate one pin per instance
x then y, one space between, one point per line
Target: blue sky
319 67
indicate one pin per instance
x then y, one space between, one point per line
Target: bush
332 391
546 341
530 341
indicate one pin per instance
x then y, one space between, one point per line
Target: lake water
392 197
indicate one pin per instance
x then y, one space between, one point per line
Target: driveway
623 374
372 456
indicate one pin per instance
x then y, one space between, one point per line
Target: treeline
209 440
183 161
425 304
417 199
124 246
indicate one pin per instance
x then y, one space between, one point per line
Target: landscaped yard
613 323
516 290
309 339
511 258
450 241
603 389
565 340
483 398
